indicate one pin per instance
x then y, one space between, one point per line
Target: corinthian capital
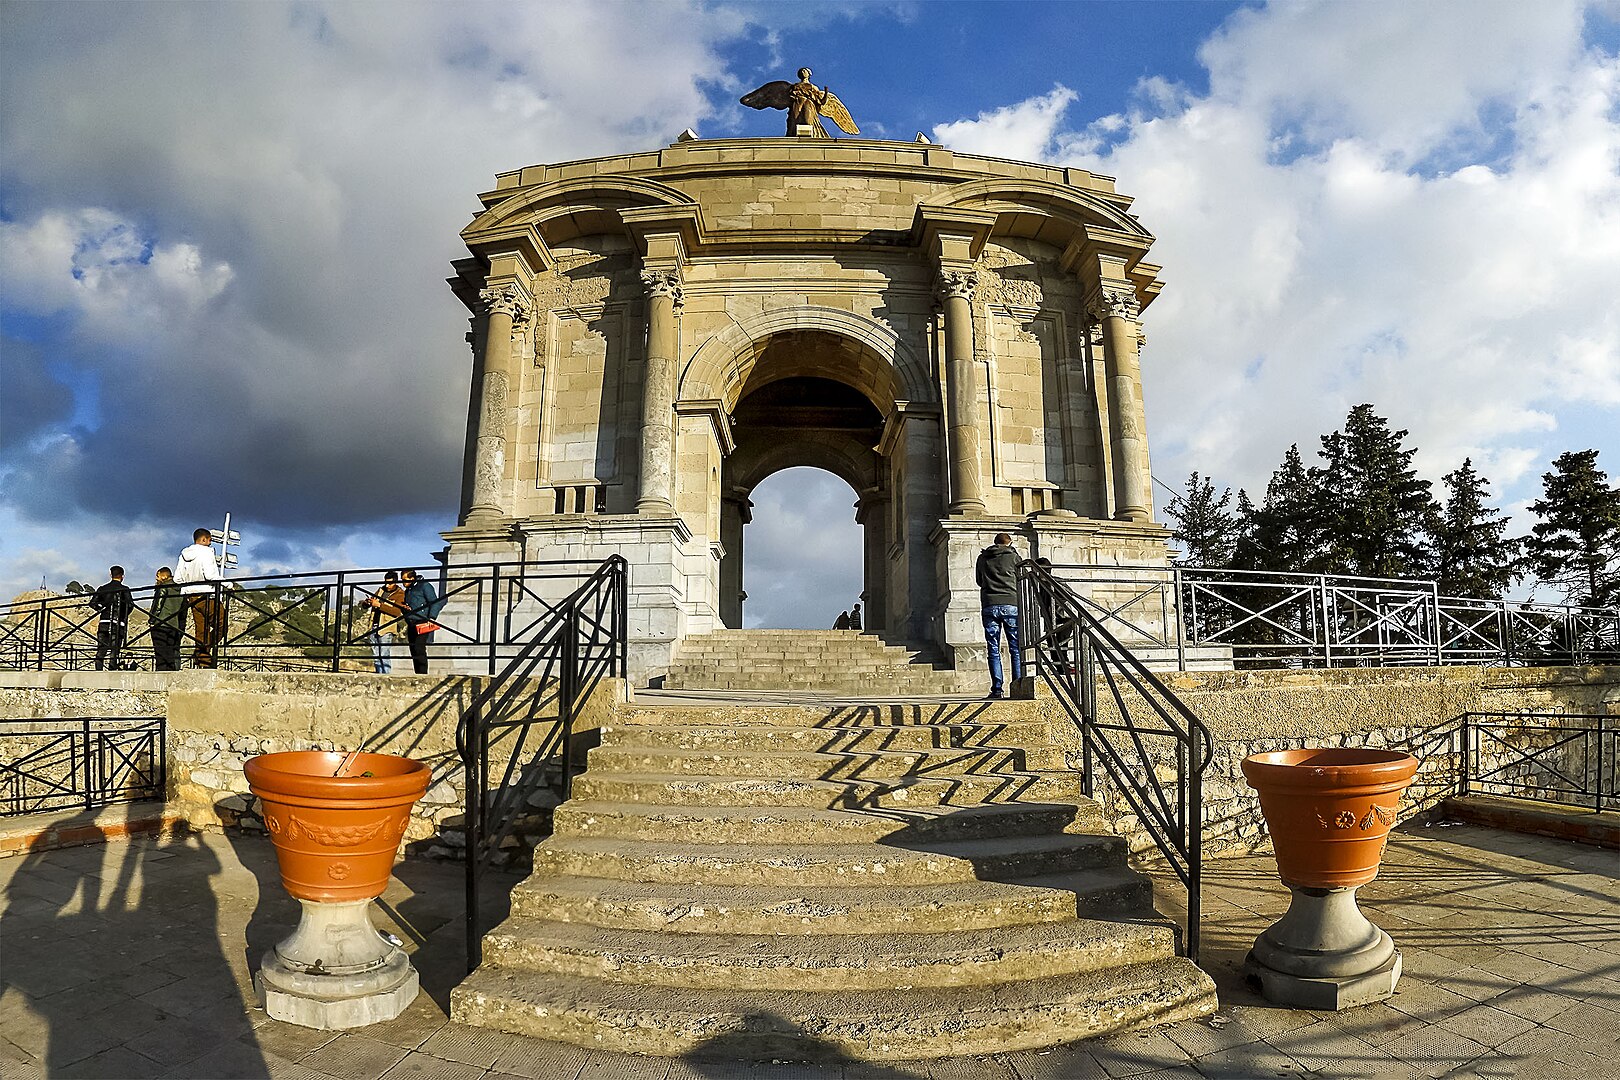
662 283
507 299
1117 301
957 284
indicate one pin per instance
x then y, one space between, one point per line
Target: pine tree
1576 545
1208 532
1379 513
1283 533
1473 557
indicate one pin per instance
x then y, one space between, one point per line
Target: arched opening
803 558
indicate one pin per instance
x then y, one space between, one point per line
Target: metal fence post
495 613
1464 780
39 636
1181 622
1327 622
1439 629
89 768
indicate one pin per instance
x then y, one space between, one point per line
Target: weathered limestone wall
1412 709
219 719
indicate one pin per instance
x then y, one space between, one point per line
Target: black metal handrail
82 762
1547 757
580 641
316 621
1141 727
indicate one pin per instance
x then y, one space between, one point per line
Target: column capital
1113 301
507 298
663 283
956 284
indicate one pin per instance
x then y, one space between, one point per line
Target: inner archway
803 557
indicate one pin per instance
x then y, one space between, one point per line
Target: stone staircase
829 661
829 882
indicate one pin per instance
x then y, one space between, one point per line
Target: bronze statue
805 105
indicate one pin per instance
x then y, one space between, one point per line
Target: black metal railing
1275 619
304 622
1563 758
1139 742
521 723
83 762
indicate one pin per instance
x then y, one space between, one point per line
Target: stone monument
956 337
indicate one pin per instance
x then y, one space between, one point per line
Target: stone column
507 307
658 394
872 512
735 512
1116 310
962 393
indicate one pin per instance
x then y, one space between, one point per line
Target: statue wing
773 95
834 110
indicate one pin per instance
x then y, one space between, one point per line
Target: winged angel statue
805 105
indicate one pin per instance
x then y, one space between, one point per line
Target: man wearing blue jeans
997 575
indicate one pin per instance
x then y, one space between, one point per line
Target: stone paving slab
133 959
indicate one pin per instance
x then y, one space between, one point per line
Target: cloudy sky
224 230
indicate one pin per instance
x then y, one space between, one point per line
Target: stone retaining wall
218 719
1411 709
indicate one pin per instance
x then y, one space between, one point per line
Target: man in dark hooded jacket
114 602
997 575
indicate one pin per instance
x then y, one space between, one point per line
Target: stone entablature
625 308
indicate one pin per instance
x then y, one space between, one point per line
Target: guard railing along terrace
317 621
1270 619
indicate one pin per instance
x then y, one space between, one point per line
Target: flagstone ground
133 959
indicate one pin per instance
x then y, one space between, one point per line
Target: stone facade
954 336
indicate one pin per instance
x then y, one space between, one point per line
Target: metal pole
1439 631
1465 781
39 637
495 612
569 692
89 767
472 827
1181 625
1327 623
337 624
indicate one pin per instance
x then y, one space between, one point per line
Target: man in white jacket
197 574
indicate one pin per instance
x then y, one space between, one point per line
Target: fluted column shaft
962 394
658 395
1127 420
507 308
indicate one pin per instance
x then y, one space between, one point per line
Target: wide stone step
828 962
1008 858
853 714
809 825
904 791
863 1024
817 766
791 910
760 737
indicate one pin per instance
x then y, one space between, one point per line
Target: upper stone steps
941 789
804 659
827 864
791 910
809 825
814 765
950 958
800 1022
760 737
836 716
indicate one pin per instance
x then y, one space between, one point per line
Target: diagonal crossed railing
1139 742
515 738
81 762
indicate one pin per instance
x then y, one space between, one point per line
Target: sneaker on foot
994 695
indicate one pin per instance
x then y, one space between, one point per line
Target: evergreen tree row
1364 511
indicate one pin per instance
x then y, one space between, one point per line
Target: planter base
336 971
1324 954
1339 992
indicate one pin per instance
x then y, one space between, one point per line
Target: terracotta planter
336 836
1330 810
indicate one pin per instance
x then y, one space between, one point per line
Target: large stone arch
721 366
1006 196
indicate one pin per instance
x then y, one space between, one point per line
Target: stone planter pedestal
1329 812
336 820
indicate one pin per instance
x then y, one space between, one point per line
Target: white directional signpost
227 540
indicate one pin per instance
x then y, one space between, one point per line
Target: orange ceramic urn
336 819
1329 810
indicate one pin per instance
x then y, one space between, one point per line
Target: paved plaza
133 959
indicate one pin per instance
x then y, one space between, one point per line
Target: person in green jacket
167 611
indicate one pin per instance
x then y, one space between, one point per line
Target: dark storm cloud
32 400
